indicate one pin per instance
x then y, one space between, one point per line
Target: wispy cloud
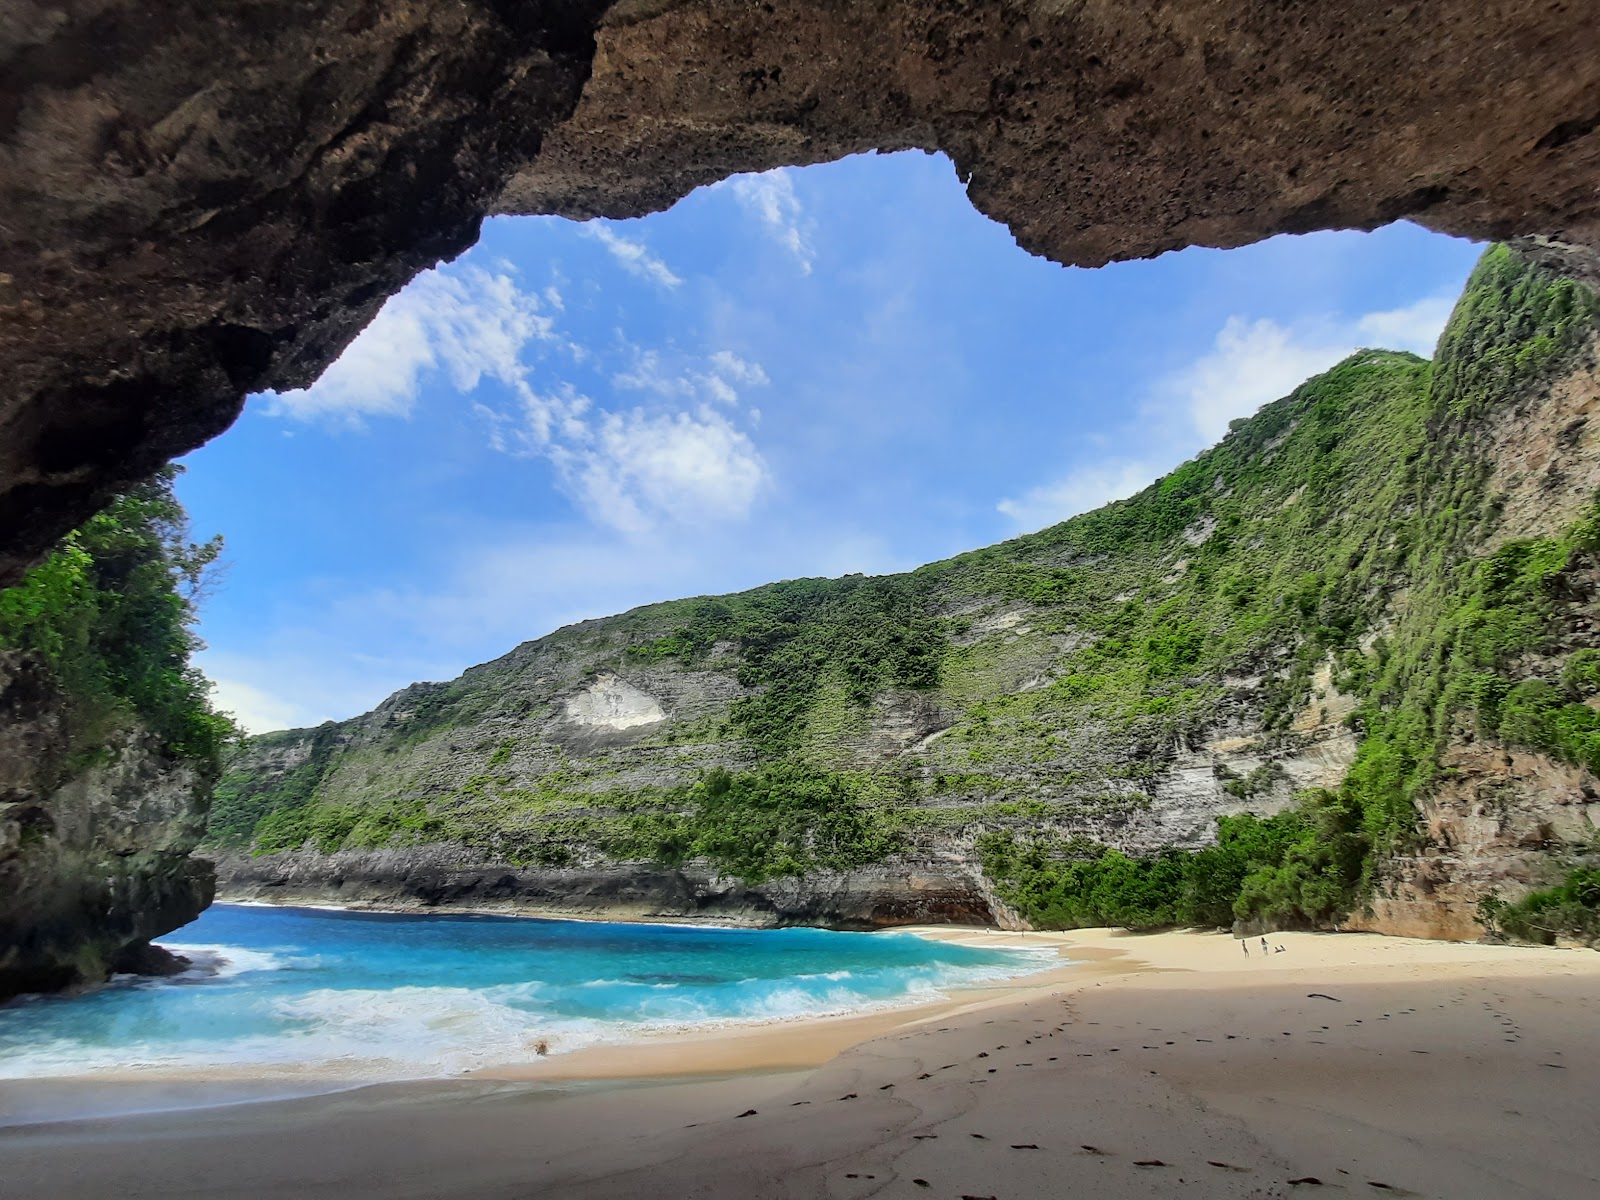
770 197
1249 363
1416 327
634 256
639 468
712 378
629 469
1081 490
255 708
1252 363
469 323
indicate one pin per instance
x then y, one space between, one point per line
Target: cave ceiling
199 200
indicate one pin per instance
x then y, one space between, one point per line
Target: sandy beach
1154 1065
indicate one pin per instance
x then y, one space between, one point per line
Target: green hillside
1025 705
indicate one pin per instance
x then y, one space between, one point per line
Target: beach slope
1163 1064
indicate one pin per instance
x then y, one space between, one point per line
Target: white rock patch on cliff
609 703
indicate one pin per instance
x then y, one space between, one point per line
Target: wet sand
1162 1065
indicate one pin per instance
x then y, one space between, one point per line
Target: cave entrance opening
811 371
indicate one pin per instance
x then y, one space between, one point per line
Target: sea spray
297 992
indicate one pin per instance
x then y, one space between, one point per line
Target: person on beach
1265 949
1243 942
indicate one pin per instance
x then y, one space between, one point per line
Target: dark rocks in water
871 897
143 958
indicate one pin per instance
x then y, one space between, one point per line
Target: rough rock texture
1502 824
553 753
429 876
94 855
198 200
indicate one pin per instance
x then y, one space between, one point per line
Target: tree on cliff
110 615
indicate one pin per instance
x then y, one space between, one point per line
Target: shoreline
649 1053
1424 1068
518 910
720 1049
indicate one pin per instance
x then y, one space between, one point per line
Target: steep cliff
108 751
1288 631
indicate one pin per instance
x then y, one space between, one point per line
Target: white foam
223 962
423 1031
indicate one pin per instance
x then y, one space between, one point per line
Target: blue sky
807 372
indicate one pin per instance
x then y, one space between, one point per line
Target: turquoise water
386 996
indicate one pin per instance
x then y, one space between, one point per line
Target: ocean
369 996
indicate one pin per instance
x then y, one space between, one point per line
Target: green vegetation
1336 546
1295 869
776 821
109 616
1569 910
275 809
794 638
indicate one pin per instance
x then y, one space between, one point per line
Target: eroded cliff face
1127 678
563 735
94 849
207 199
870 897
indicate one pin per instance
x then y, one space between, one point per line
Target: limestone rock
94 855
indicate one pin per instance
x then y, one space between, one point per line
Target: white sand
1164 1065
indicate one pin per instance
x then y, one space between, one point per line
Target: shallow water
380 996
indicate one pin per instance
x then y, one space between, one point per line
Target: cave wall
200 200
94 847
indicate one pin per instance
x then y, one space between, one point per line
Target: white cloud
1415 327
1084 489
254 708
635 257
641 467
1250 363
714 381
630 470
469 323
770 197
730 366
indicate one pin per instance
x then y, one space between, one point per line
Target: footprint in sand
1211 1162
1023 1146
922 1183
749 1112
847 1096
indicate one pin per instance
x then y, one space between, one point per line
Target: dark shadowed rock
205 199
94 850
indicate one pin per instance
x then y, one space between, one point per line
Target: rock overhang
208 199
